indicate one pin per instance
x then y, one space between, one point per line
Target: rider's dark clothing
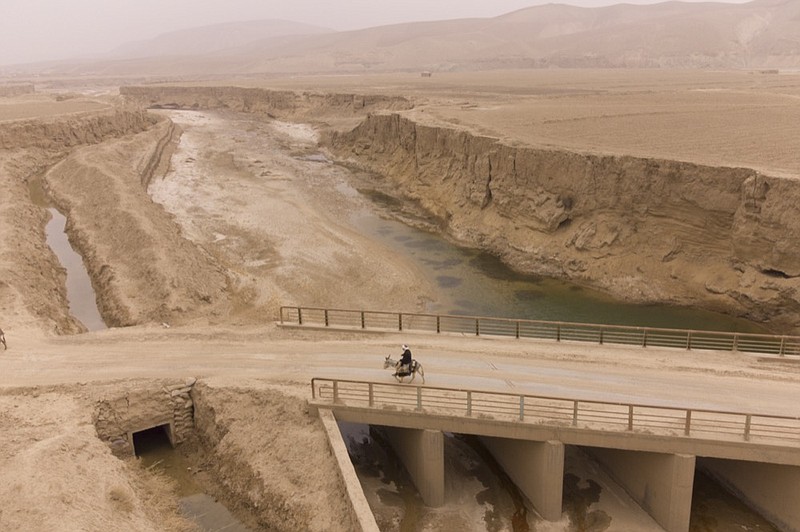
405 360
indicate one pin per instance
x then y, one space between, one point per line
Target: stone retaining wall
117 419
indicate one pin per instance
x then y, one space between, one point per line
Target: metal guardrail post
477 327
558 333
438 324
400 321
419 397
299 316
601 336
783 346
689 341
326 317
747 427
522 408
335 391
735 346
363 321
644 338
469 403
688 425
630 417
371 395
517 331
575 413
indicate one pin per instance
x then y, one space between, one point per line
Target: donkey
416 367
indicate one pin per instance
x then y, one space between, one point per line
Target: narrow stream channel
81 297
154 451
80 294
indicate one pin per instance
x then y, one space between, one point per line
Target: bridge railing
561 411
551 330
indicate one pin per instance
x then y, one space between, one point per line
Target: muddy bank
644 230
143 269
274 464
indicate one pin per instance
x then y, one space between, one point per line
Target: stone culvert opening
157 437
124 421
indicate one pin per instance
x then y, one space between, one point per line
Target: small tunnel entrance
152 440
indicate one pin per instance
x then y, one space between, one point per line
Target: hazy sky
34 30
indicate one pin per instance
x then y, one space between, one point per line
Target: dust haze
216 161
47 30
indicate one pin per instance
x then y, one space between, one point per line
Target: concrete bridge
649 449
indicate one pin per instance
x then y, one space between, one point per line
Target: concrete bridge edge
362 513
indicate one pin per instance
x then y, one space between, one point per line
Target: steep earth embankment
284 477
32 289
308 106
67 131
644 230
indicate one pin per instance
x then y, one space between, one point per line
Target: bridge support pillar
537 468
772 489
661 483
422 452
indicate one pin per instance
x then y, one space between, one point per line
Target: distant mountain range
215 38
758 34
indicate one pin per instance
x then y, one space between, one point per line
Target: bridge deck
633 426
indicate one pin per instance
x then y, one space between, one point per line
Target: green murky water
474 283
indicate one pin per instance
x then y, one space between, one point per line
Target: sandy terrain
35 106
259 228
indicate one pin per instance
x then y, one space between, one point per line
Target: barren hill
759 34
211 39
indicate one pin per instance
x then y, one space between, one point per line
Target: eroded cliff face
275 103
67 131
644 230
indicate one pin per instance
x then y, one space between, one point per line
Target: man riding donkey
405 361
405 367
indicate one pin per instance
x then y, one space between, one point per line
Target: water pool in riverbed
474 283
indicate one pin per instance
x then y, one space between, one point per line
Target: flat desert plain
718 118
